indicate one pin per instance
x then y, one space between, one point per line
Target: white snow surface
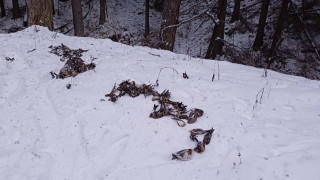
50 132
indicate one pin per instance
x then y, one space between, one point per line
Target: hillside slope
50 132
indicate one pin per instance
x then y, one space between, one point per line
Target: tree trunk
216 41
40 13
16 9
258 42
102 19
236 11
170 16
158 5
77 17
53 10
277 34
3 11
147 25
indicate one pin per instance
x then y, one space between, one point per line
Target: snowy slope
50 132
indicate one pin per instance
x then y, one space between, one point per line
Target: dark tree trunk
53 10
170 16
236 11
147 25
102 18
158 5
216 41
77 17
40 13
16 9
258 42
3 11
277 34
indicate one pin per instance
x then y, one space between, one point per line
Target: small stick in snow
265 73
174 70
154 54
185 75
31 50
212 77
259 100
243 127
239 155
10 59
55 35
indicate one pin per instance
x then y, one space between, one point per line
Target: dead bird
194 114
182 155
112 95
197 131
200 147
207 137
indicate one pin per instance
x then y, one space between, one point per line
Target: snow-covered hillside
50 132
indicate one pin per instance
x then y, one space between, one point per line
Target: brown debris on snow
182 155
74 64
130 88
206 140
165 106
200 146
66 52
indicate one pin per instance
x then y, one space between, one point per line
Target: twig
251 5
31 50
239 155
182 22
259 100
154 54
174 70
243 127
265 73
61 27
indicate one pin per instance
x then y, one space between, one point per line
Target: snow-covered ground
50 132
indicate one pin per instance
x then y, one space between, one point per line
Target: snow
50 132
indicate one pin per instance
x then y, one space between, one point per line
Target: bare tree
40 13
16 9
170 16
258 42
77 17
277 34
216 41
236 11
158 5
3 11
53 10
103 9
147 25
